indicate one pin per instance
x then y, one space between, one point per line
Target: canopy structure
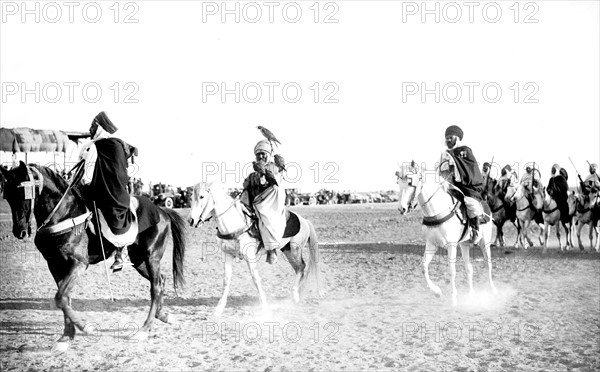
36 140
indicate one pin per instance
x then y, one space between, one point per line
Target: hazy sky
365 63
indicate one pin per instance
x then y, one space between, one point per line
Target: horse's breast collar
438 220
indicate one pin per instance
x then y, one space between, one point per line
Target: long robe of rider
558 189
263 193
466 175
591 184
106 160
106 174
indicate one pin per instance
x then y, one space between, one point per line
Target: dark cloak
109 183
471 179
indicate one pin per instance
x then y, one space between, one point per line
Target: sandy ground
378 314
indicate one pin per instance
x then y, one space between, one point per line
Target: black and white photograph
308 185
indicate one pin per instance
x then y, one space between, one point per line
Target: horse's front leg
487 257
452 268
252 261
578 233
518 227
468 266
525 241
558 235
430 250
62 300
227 272
597 231
591 235
546 232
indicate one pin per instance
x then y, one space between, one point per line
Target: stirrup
121 260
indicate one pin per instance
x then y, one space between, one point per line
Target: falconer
265 195
106 174
462 170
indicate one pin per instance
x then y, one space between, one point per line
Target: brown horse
61 215
503 210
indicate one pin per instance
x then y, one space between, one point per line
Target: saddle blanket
145 216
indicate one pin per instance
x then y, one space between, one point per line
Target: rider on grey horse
459 163
265 196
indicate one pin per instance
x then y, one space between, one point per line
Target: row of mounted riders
583 210
171 197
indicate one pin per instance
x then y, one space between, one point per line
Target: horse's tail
313 265
178 234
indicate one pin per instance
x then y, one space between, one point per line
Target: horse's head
540 196
20 190
202 204
511 191
409 182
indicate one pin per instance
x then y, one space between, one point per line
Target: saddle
292 227
145 216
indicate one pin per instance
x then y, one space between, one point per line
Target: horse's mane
59 184
56 183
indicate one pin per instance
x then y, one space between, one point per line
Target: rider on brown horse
106 173
558 189
465 175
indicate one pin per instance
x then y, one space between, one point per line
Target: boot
118 264
475 234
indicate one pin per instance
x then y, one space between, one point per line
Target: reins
78 168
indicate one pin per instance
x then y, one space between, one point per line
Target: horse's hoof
218 312
60 347
296 297
454 302
91 329
139 336
171 319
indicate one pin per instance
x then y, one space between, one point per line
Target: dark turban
454 130
102 120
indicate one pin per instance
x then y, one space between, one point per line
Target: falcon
258 166
279 161
268 135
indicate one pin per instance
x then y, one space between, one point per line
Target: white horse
234 239
526 211
587 214
552 217
444 227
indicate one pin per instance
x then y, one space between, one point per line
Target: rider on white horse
460 163
591 184
265 195
508 177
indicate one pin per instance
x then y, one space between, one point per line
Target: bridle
205 214
31 188
412 202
